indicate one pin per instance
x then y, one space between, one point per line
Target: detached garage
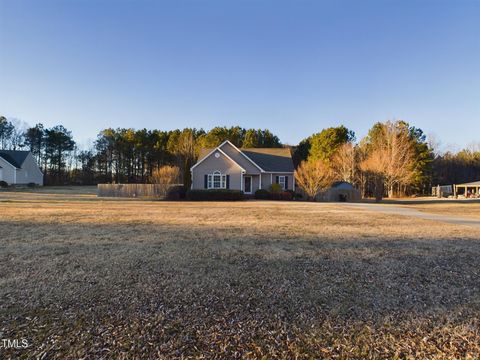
342 191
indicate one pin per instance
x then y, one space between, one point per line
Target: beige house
19 168
247 170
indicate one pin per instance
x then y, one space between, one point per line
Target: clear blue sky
294 67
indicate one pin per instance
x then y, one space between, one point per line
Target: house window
217 180
281 181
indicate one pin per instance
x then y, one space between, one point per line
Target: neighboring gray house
228 167
19 168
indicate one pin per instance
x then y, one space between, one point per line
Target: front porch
251 183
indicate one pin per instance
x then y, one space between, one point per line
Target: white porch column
260 183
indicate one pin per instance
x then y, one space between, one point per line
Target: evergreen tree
324 144
58 143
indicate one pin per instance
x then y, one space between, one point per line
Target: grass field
467 208
88 277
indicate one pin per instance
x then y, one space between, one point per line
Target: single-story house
19 168
244 169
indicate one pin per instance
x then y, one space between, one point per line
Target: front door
248 185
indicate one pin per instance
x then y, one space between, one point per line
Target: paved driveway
402 211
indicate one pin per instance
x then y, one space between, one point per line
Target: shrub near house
215 195
176 192
278 194
262 194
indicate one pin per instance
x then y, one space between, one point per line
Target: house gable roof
204 153
14 157
267 159
237 155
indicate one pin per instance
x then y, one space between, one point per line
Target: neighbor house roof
14 157
269 159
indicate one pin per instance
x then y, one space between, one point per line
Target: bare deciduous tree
17 136
344 163
166 176
313 176
390 156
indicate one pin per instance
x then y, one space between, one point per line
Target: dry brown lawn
85 277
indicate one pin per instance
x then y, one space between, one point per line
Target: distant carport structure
472 188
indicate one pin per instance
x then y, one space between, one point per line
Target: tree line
394 158
121 155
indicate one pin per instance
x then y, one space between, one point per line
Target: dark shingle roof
14 157
271 159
